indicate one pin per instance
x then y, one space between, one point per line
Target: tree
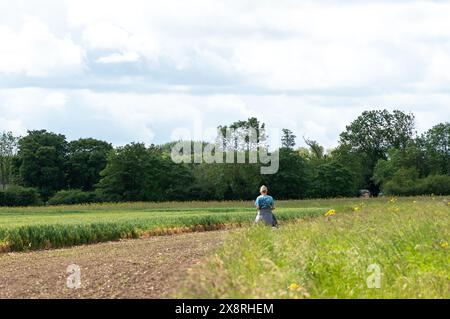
41 161
437 145
133 173
288 139
354 161
243 136
86 159
411 158
373 133
8 150
316 150
332 179
291 180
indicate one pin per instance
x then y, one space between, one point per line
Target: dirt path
141 268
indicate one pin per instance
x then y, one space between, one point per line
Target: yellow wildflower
294 287
444 244
355 209
331 212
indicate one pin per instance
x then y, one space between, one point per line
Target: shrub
74 196
433 184
19 196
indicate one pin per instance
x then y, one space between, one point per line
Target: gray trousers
266 216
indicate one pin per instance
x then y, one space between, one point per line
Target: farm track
140 268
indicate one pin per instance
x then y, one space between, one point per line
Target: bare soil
140 268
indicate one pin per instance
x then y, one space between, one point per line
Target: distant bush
19 196
433 184
74 196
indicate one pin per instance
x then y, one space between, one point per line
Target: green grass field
329 257
52 227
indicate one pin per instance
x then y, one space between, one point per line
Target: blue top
265 202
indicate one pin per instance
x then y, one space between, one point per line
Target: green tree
41 161
412 157
288 139
86 158
354 161
291 180
8 150
133 173
373 133
437 145
332 179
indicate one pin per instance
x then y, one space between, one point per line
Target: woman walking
265 205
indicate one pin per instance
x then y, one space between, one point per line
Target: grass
31 228
328 257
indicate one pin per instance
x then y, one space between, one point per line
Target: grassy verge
329 257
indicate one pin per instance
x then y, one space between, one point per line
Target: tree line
380 151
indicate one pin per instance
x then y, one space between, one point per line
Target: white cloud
35 51
311 66
118 58
152 118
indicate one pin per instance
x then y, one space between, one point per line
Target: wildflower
331 212
415 202
294 287
444 244
393 200
355 209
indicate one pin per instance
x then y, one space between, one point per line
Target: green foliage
406 183
8 151
288 139
403 182
70 197
374 133
131 174
291 181
330 257
437 145
377 150
86 159
41 160
19 196
332 179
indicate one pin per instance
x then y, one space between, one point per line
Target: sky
140 70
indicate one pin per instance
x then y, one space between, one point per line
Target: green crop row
42 230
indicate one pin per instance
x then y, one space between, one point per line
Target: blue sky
140 70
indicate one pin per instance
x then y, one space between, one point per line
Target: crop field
385 248
322 249
53 227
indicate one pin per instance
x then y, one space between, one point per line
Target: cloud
153 118
136 69
34 51
119 58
